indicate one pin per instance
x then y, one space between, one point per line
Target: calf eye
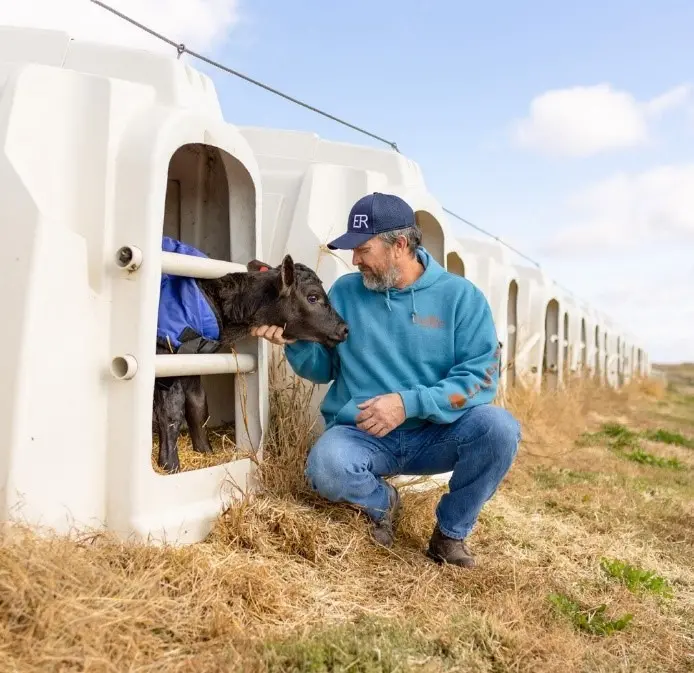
312 298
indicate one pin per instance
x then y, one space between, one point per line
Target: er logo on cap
360 220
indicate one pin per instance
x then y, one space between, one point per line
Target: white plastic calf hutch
534 292
103 150
492 272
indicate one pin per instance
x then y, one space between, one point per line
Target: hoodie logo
428 321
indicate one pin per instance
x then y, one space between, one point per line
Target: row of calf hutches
103 151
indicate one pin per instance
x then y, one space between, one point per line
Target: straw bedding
288 582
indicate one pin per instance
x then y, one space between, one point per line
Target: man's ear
257 265
401 244
286 276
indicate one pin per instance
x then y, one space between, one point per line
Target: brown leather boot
443 549
383 531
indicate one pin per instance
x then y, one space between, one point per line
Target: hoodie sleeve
471 381
312 361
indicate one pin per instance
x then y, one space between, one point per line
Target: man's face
377 263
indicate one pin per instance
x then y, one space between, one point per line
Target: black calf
289 295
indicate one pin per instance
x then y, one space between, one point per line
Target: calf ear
287 275
257 265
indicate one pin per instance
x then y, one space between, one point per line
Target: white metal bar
178 264
173 364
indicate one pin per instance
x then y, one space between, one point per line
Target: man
412 385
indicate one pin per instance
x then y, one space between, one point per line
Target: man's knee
497 429
330 462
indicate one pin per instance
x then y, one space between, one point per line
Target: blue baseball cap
371 215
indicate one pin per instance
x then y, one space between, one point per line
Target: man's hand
381 414
273 333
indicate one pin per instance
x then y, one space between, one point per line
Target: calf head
299 303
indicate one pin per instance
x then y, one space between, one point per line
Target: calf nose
343 332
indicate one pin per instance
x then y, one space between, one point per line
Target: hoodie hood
432 272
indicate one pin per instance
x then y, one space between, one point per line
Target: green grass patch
372 645
668 437
645 458
636 579
615 434
590 620
617 431
550 478
365 648
625 443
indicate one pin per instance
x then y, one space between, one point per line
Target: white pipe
123 367
129 257
177 264
427 481
174 364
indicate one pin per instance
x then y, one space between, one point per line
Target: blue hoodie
433 342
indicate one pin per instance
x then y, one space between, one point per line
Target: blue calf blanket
186 321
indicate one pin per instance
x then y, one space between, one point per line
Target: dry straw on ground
287 582
224 449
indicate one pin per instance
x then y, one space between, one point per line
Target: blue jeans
347 464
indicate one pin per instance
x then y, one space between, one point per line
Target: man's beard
382 280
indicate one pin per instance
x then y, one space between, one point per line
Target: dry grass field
586 563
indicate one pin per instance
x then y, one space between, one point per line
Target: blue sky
447 80
450 80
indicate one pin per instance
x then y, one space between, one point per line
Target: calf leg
196 414
169 411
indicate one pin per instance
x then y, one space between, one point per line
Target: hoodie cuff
413 407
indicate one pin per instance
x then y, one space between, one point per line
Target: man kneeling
412 384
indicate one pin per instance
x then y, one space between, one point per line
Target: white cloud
670 100
629 211
655 305
201 24
583 121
